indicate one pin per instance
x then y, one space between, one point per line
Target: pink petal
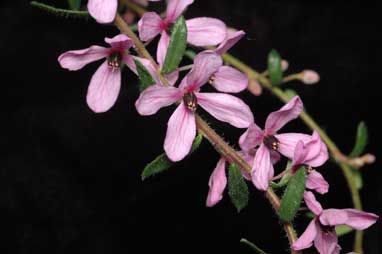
217 184
163 43
360 220
248 157
156 97
205 31
206 63
226 108
181 131
172 77
229 80
317 151
326 241
312 203
103 11
76 59
129 61
104 88
307 238
288 142
315 181
262 171
300 153
175 8
120 42
230 40
276 120
149 26
333 217
147 64
251 138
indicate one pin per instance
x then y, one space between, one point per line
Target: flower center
169 28
190 101
114 60
272 142
327 229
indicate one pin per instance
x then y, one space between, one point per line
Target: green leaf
290 93
74 4
162 163
145 78
177 46
361 140
343 230
291 201
60 12
252 246
283 181
274 67
237 188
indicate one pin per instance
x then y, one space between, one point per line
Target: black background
70 179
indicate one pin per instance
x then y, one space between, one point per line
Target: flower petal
203 32
76 59
276 120
120 42
149 26
104 88
360 220
103 11
326 241
155 97
262 171
181 131
175 8
251 138
231 39
315 181
217 184
229 80
317 153
163 43
226 108
300 153
307 238
312 203
288 142
333 217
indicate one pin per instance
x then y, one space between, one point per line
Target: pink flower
271 142
200 31
106 82
181 128
321 230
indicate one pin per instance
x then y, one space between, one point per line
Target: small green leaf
274 67
252 246
310 215
177 46
162 163
60 12
290 93
291 201
361 140
74 4
145 78
343 230
237 188
283 181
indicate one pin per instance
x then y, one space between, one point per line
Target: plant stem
220 145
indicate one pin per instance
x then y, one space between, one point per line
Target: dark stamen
190 101
272 142
169 28
114 60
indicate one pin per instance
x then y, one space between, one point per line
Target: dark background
70 179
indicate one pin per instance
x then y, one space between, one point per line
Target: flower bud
284 65
254 87
309 77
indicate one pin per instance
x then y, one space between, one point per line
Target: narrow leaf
60 12
361 140
291 201
237 188
343 230
145 78
283 181
177 46
162 162
252 246
74 4
274 67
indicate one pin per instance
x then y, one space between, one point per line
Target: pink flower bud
309 77
254 87
284 65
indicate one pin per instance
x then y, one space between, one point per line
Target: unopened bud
254 87
309 77
284 65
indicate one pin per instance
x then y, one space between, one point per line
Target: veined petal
359 220
156 97
288 142
315 181
103 11
104 88
181 131
333 217
175 8
307 238
206 63
217 184
129 61
300 153
262 171
326 241
229 80
317 152
312 203
226 108
120 42
149 26
76 59
163 43
276 120
172 77
203 32
231 39
251 138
